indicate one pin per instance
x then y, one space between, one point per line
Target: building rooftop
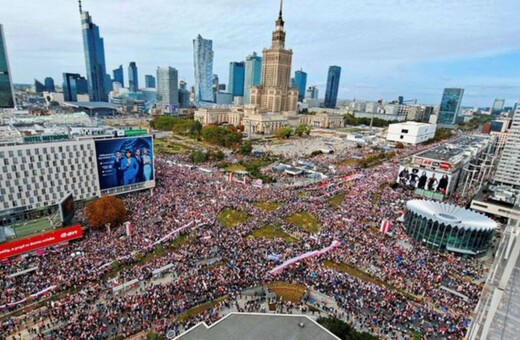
456 150
253 326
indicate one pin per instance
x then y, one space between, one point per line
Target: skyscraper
94 58
498 106
108 83
38 86
276 94
184 95
508 169
312 92
236 78
300 79
450 106
203 62
49 84
6 85
119 75
133 79
331 92
167 87
149 81
70 91
253 75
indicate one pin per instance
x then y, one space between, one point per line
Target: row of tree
286 132
377 122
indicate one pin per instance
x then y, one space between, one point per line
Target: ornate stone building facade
276 94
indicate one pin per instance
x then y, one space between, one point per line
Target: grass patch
179 241
32 227
336 200
166 146
192 312
353 271
271 232
349 162
305 220
231 217
267 206
288 291
235 168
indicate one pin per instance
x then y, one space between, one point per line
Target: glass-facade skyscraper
70 90
119 75
6 85
236 78
133 78
167 88
49 84
253 75
450 106
94 59
331 92
39 87
149 81
300 78
184 95
203 63
498 106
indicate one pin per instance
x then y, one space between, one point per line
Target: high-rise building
133 79
70 91
331 92
253 75
6 85
108 83
450 106
276 94
222 87
49 84
508 169
184 95
167 87
149 81
94 58
39 87
312 92
203 62
119 75
300 78
498 106
237 71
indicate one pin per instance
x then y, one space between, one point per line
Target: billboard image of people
67 209
124 161
418 178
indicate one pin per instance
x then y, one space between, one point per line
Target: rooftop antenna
81 10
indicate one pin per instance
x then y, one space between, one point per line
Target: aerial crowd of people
410 287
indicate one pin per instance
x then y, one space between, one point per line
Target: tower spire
281 8
81 10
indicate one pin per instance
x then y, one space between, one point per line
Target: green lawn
304 220
267 206
271 232
336 200
231 217
167 146
192 312
235 168
32 227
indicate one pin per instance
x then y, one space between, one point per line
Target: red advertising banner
39 241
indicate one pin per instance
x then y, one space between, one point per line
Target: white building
410 132
508 169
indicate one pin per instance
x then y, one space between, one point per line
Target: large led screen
124 161
418 178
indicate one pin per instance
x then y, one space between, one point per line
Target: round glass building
448 227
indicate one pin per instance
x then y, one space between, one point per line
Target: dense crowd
413 299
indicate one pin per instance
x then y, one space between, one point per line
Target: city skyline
415 58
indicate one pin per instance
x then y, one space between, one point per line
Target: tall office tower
38 86
300 79
222 87
215 82
94 58
508 169
253 75
312 92
237 71
450 106
203 62
70 90
133 79
498 106
276 94
149 81
331 92
119 75
81 85
184 95
167 87
49 84
108 83
6 85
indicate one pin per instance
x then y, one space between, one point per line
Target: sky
386 48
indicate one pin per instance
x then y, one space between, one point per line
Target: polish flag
386 226
128 228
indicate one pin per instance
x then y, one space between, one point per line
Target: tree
220 155
246 148
343 330
399 145
300 130
198 156
106 210
284 132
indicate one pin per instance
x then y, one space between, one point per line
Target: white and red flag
128 228
386 226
